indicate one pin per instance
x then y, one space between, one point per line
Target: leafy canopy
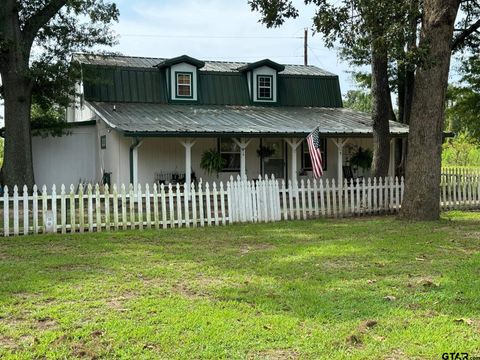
46 34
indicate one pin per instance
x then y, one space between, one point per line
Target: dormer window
264 83
184 84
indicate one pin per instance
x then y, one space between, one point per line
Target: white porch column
242 144
188 144
294 144
134 149
391 166
340 143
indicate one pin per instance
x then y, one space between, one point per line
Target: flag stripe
313 141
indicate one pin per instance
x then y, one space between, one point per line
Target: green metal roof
210 66
196 121
181 59
265 62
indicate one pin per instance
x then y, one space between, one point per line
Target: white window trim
177 92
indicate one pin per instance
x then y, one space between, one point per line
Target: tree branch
460 38
43 16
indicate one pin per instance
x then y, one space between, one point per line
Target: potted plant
265 152
212 162
362 158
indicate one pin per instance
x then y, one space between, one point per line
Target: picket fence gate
98 208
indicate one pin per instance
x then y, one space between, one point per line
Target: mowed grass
354 288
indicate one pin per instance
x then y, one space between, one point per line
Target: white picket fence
262 200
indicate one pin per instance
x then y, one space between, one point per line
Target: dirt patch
118 303
396 354
83 351
247 248
46 323
7 342
275 354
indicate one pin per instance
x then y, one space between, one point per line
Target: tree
463 102
358 100
422 185
430 68
367 32
54 29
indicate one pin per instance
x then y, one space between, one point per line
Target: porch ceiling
135 119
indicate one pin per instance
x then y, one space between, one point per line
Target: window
231 153
184 84
307 162
264 87
103 141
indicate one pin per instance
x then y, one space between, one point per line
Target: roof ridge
166 58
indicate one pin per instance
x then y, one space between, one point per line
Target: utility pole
305 47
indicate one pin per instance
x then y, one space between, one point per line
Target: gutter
135 145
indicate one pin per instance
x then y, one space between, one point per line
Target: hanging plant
265 152
212 162
362 158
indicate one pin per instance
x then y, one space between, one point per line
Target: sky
219 30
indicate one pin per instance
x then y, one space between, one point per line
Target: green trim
177 96
181 59
260 99
266 62
246 134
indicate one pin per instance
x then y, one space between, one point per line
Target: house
146 120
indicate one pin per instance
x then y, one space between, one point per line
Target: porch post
340 143
391 166
188 144
294 144
242 144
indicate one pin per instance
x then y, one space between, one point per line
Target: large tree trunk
17 163
381 113
422 186
17 92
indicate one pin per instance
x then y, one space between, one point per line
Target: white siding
265 70
66 159
183 67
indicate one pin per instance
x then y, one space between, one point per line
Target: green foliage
463 102
212 162
362 158
49 121
284 290
265 151
57 29
461 151
358 100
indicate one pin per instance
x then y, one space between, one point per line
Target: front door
274 163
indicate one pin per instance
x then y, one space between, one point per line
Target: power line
210 36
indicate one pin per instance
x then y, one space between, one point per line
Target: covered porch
166 142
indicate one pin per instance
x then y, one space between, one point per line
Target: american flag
313 141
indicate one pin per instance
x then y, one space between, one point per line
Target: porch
177 160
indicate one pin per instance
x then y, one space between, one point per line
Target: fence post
26 214
63 209
115 207
106 202
6 210
15 211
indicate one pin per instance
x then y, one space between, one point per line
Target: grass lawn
355 288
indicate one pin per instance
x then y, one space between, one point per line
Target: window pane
232 161
184 90
264 92
183 78
228 145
